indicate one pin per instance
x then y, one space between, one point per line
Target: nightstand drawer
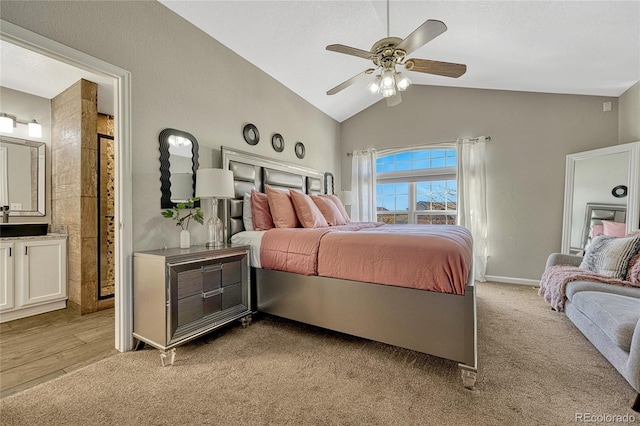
232 273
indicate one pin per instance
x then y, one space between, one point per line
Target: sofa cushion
614 314
577 286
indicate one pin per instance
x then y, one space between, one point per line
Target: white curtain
363 186
4 176
472 198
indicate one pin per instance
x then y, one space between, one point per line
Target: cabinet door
43 274
7 253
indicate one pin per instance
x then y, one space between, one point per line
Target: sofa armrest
633 363
563 259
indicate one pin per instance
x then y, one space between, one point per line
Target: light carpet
536 368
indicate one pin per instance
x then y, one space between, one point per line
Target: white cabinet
33 276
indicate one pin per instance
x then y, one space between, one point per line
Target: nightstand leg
167 357
245 321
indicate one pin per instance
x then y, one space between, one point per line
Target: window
417 186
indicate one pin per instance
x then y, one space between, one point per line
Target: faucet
5 214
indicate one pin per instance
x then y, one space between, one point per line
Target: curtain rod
487 138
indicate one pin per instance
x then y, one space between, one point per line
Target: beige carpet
535 368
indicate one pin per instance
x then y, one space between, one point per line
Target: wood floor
36 349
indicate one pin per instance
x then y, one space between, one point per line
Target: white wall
28 107
182 79
531 135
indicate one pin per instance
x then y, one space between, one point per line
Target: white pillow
247 218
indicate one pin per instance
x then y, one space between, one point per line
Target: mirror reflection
22 176
594 179
178 165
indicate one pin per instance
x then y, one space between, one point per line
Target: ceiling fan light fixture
402 81
374 86
388 80
388 91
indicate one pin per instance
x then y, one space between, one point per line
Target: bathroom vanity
33 275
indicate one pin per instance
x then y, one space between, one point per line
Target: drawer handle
212 293
212 268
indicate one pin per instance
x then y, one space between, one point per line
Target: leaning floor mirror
600 184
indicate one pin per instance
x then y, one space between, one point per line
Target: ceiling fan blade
347 50
394 100
349 82
422 35
447 69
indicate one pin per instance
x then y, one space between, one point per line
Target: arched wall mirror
178 165
590 196
22 176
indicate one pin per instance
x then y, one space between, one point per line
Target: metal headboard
251 171
597 212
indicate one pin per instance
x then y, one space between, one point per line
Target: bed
595 213
431 322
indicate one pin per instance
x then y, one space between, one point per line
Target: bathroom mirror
589 179
178 165
22 176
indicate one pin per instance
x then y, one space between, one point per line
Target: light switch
606 106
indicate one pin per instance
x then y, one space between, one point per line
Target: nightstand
181 294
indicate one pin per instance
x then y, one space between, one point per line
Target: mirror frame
633 183
165 164
41 148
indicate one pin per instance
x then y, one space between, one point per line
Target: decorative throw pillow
307 211
247 217
336 200
610 256
597 230
282 211
329 210
260 212
614 229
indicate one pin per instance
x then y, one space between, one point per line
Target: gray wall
629 117
531 135
182 79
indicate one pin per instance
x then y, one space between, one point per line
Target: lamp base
215 230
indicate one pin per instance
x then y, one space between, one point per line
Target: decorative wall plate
299 148
277 142
619 191
251 134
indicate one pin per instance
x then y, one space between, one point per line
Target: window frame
420 175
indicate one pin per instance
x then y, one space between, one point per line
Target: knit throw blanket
554 282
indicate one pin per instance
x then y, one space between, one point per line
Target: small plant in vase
182 213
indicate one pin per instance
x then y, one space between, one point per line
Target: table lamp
216 184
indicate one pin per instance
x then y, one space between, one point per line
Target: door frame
123 175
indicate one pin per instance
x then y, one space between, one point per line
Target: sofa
609 316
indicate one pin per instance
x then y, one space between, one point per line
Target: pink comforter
429 257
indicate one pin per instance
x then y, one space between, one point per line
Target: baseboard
510 280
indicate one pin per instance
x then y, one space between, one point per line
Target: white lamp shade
214 183
6 124
35 129
346 197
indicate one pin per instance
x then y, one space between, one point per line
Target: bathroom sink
23 229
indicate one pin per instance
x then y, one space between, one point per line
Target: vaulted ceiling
573 47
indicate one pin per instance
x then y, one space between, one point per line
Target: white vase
185 239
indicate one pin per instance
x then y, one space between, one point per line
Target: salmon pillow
329 210
339 205
260 212
308 213
282 211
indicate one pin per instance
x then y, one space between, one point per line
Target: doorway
123 199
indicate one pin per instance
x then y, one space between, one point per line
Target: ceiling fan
391 51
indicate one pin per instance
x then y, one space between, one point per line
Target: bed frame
434 323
